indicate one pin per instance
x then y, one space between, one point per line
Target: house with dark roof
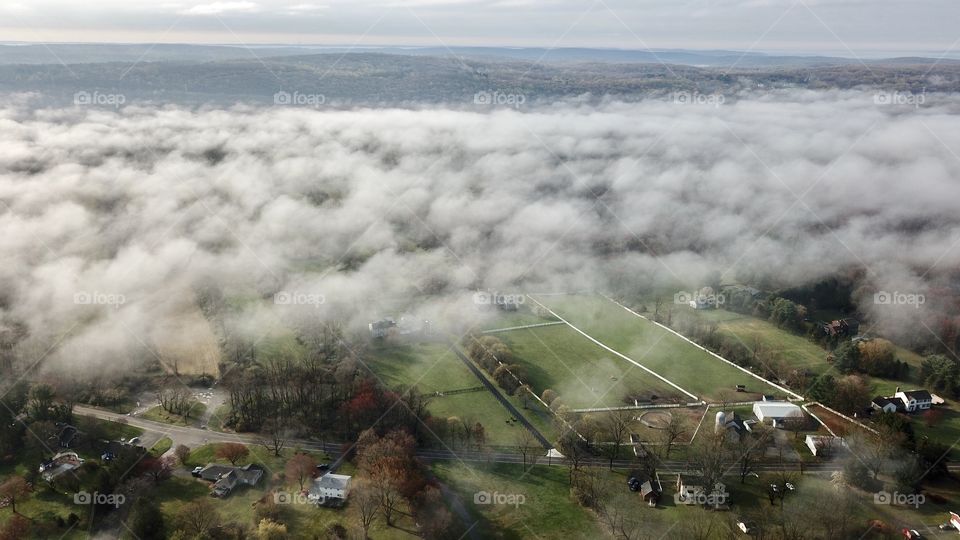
885 404
382 328
914 400
226 478
840 327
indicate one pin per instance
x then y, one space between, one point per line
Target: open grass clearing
547 510
159 414
434 367
582 373
659 350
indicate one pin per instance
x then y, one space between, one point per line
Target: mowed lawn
433 367
655 348
582 373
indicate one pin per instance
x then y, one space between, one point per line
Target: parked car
912 534
134 440
946 526
323 467
633 483
196 471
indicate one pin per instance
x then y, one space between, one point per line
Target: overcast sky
845 27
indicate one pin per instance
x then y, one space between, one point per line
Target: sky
840 27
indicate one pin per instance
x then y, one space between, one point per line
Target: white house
776 411
330 487
915 400
823 444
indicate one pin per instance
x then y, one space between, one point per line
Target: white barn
776 411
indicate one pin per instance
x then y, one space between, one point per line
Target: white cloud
217 8
371 208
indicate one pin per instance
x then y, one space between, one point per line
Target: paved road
192 436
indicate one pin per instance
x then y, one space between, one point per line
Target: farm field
582 373
659 350
800 352
796 350
507 319
433 367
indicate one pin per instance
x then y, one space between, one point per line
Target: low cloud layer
371 212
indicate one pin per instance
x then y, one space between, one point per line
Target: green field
655 348
800 352
433 367
523 316
547 510
583 374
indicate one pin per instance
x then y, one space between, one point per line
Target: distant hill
377 78
90 53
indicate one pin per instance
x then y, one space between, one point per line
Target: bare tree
707 458
275 436
175 399
749 448
182 452
674 429
364 498
16 487
232 452
526 444
617 426
300 467
575 450
198 518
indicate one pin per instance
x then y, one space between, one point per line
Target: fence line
706 350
